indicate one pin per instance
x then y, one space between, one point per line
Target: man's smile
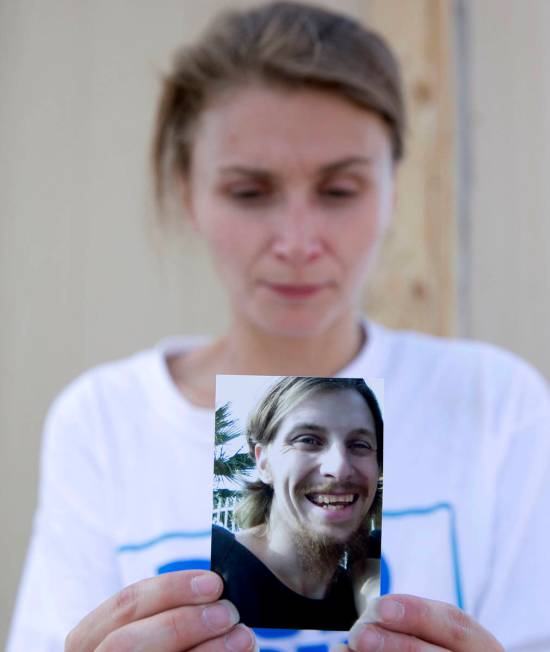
332 502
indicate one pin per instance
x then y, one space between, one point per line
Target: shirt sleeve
70 566
516 602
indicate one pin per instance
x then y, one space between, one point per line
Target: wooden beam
414 286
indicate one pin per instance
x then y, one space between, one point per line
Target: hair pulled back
286 44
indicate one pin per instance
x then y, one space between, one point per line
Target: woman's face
323 467
293 191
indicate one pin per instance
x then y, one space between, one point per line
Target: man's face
322 466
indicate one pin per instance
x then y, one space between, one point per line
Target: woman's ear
262 463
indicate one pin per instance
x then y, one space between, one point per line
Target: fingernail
380 610
220 615
368 638
240 639
206 585
390 611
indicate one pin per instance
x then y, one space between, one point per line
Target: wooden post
415 284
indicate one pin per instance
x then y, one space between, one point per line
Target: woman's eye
247 193
338 193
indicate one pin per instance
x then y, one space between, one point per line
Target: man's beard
319 552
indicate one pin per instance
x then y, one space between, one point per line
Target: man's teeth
332 501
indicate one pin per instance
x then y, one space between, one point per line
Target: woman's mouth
295 290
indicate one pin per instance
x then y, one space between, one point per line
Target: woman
318 446
280 133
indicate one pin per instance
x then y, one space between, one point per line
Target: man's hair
280 44
254 507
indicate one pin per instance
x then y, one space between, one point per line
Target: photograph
297 499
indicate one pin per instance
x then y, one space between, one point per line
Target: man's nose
335 462
298 240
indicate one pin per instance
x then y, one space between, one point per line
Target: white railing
222 514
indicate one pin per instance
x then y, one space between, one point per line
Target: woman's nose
298 239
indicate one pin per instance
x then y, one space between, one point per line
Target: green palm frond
228 467
225 430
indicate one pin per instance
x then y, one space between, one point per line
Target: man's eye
307 440
362 445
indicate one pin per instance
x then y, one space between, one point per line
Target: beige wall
509 222
83 277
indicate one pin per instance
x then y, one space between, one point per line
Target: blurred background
87 275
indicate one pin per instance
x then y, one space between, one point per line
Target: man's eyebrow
315 427
362 431
312 427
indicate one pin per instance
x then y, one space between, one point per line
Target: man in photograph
308 520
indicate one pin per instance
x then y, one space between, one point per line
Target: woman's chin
300 320
294 324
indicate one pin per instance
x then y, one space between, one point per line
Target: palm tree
228 468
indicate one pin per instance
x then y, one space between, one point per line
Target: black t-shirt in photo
264 601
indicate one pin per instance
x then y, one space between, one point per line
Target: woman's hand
170 613
405 623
